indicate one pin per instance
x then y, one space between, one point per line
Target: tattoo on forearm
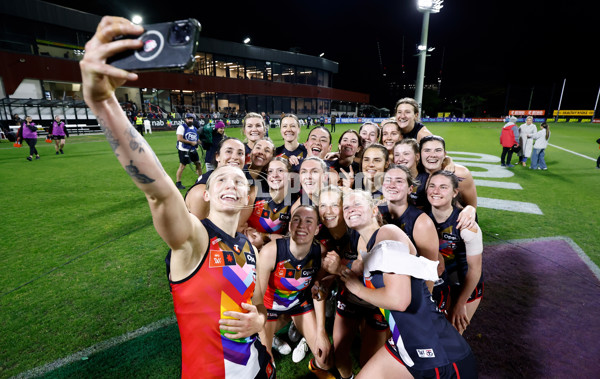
134 144
112 140
135 174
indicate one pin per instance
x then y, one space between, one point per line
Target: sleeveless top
223 280
420 193
421 334
414 132
271 217
299 152
58 129
452 246
290 280
406 221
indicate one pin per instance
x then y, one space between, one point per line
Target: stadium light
427 7
247 40
321 55
136 19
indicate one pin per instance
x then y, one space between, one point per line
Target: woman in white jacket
526 130
539 148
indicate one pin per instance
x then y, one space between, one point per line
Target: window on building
277 73
289 73
268 71
204 64
256 69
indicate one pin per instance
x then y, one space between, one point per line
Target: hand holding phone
166 46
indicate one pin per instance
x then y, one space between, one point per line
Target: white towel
394 257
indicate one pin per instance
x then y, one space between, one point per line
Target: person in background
318 142
28 132
58 132
17 120
433 154
349 145
333 120
271 211
290 132
407 115
230 152
254 129
538 161
370 133
598 160
390 134
322 121
187 139
218 133
509 142
375 161
525 131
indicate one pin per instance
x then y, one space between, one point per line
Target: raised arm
466 187
171 218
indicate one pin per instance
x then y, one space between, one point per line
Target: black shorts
441 292
372 316
58 137
465 368
305 307
267 368
476 294
187 157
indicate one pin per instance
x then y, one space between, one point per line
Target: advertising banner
526 113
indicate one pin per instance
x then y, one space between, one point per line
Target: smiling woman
254 130
212 315
394 281
230 153
293 265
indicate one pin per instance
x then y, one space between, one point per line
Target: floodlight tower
427 7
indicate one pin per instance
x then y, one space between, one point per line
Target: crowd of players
387 225
305 183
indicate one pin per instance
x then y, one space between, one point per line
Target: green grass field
82 263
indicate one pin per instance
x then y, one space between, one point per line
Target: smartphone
167 46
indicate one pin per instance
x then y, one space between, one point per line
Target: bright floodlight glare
247 40
136 19
321 55
433 6
421 47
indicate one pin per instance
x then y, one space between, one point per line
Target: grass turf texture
82 262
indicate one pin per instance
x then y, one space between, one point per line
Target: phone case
167 46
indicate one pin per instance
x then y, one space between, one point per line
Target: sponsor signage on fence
527 113
581 113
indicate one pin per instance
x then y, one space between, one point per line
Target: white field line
509 205
573 152
497 184
41 370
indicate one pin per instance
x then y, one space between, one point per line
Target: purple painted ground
540 315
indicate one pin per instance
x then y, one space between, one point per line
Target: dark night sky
484 48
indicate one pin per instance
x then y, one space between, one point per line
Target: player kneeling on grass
217 301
